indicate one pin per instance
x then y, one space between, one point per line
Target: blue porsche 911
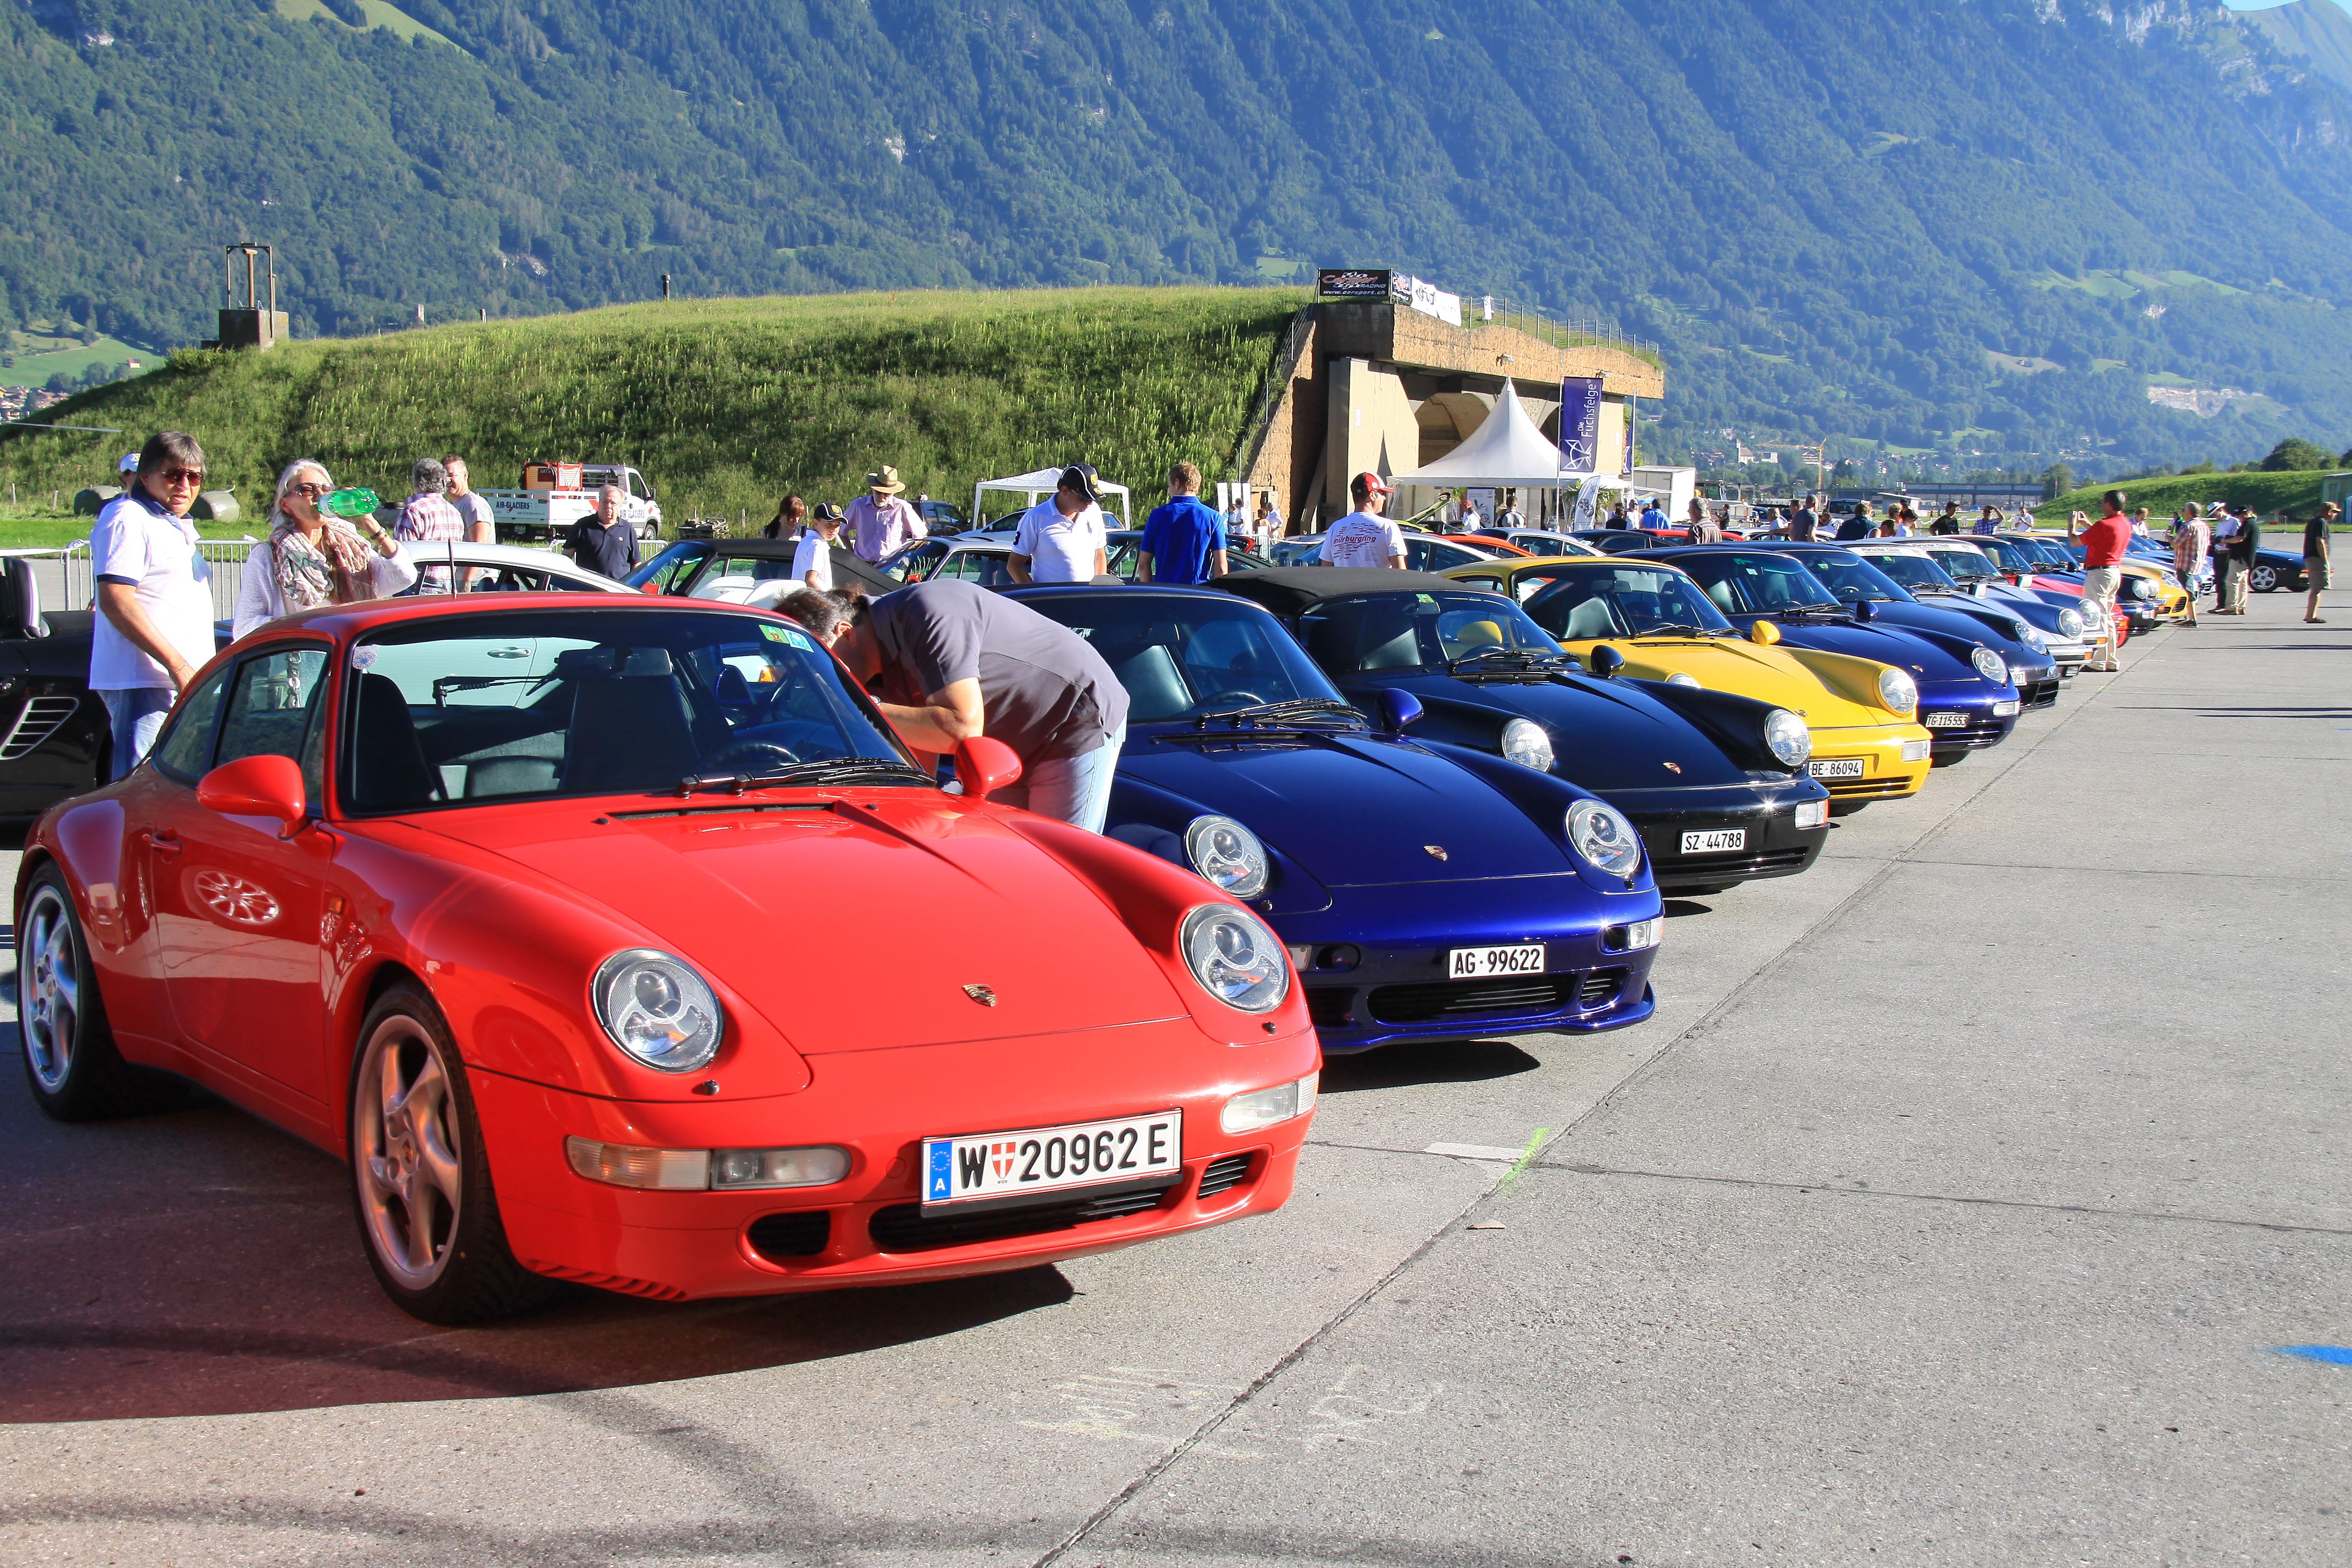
1425 891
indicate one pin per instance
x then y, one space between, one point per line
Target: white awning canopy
1506 450
1035 486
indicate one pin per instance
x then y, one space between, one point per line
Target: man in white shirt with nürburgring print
1364 537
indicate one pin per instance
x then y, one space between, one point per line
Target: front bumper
1375 964
1895 760
1958 726
1776 846
870 1227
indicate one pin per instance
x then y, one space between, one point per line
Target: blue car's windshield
1963 565
1180 656
1418 631
536 704
1913 572
1578 602
1755 584
1850 577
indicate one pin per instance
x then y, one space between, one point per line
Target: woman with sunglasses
154 601
312 559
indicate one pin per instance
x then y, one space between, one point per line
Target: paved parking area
1960 1205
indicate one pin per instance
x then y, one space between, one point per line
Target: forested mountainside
1987 224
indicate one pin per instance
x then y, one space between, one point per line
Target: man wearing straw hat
880 524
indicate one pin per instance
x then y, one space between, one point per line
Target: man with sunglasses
154 626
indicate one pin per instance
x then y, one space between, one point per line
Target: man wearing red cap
1364 537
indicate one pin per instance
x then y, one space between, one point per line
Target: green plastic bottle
355 501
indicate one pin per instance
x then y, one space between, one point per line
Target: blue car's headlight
1601 833
2070 624
1227 854
1990 665
1525 742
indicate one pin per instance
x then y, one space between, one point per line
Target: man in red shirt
2102 550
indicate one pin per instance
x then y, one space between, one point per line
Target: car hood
1745 668
1957 624
1606 734
1354 810
1922 653
851 924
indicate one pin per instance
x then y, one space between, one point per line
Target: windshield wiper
1811 612
1290 709
1522 658
833 770
1679 629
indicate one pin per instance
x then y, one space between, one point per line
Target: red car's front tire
420 1181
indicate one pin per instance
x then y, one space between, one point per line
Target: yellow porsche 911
1651 621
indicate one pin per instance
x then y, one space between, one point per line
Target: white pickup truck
543 511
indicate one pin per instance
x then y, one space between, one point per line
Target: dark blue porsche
1852 580
1425 891
1714 780
1966 702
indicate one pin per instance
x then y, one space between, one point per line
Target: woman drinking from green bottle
314 558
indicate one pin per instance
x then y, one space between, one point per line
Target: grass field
725 404
2267 493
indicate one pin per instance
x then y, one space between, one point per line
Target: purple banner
1580 422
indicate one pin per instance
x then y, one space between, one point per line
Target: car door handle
163 843
509 653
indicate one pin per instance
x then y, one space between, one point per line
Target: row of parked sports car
612 937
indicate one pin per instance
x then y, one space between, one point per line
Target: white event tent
1035 486
1508 452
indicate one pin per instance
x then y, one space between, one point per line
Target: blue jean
135 716
1075 789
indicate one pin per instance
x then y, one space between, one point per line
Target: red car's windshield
547 703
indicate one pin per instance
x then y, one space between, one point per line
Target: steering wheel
748 759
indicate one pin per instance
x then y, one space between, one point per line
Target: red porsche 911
624 943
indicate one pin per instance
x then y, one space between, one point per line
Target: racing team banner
1580 422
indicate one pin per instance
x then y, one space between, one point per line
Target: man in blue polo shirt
1183 542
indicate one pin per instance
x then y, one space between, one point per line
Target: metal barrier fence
223 559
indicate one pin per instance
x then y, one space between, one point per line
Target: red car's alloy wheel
51 968
405 1150
419 1178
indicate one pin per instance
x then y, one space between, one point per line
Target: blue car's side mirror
1399 708
1862 610
1607 661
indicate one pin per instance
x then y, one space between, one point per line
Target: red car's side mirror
258 786
984 766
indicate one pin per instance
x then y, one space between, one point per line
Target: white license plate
1048 1159
1715 843
1476 962
1946 720
1835 768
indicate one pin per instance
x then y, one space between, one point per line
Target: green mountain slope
725 404
1831 215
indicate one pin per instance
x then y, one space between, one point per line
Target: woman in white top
311 559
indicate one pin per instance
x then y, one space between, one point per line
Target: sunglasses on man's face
181 476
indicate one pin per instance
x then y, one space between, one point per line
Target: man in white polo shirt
1364 537
1062 540
155 626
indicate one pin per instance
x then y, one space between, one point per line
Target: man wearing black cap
1062 540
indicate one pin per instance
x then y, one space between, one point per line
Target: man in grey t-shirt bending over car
947 660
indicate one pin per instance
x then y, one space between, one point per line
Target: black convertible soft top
1288 590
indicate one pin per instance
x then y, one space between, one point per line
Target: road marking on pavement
2337 1355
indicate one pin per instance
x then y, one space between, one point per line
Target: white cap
130 464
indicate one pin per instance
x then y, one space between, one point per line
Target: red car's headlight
1234 957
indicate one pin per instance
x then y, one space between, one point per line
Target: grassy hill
725 404
2267 493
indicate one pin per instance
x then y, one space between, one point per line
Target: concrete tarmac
1966 1201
